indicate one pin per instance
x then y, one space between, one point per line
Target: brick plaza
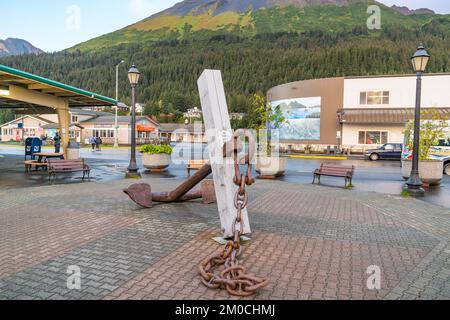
313 242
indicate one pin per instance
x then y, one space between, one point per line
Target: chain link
234 277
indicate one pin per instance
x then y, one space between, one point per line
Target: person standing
99 143
92 142
57 140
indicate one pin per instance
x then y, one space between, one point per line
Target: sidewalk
313 242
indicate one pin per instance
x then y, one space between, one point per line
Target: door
388 151
398 151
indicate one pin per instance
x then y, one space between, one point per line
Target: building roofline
26 116
56 84
398 75
360 77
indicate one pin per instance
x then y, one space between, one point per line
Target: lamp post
133 77
419 60
116 122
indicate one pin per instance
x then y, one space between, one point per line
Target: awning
10 77
384 116
143 128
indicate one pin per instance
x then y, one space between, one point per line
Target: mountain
216 7
14 47
257 44
252 17
406 11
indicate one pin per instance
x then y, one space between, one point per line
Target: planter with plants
268 165
308 149
156 157
432 130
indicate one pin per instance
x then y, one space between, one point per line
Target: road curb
320 157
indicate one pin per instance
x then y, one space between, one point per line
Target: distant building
104 127
177 132
357 113
84 124
193 114
237 116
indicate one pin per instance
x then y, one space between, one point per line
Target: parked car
389 151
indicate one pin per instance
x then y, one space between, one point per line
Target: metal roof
109 119
385 116
77 97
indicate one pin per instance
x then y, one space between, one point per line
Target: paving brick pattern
313 242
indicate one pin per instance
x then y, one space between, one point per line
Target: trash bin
73 150
32 146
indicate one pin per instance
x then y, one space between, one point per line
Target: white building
375 109
357 113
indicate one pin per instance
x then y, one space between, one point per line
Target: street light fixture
116 122
419 61
133 76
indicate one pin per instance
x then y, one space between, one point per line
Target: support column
64 124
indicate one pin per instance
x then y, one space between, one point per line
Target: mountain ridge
14 47
407 11
215 7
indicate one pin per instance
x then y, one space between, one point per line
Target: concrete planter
157 162
73 151
430 171
270 167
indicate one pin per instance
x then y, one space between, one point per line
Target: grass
405 194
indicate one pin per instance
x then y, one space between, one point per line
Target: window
74 119
374 98
103 133
444 142
373 137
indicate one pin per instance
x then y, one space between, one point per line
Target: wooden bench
334 170
56 166
30 164
196 165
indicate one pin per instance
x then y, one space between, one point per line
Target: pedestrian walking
92 142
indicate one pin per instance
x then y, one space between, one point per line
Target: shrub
432 129
156 149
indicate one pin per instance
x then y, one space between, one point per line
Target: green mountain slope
255 49
327 18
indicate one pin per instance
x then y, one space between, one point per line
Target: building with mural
355 113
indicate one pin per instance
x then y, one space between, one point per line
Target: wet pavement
109 165
312 242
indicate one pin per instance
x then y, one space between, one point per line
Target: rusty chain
234 277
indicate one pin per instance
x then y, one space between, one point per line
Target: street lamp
419 61
133 77
116 122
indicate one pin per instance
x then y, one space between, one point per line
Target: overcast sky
65 23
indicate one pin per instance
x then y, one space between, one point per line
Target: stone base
416 193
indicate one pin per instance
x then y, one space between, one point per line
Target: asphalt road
381 176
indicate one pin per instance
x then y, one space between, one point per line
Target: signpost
219 132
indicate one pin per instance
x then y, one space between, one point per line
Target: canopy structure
27 93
